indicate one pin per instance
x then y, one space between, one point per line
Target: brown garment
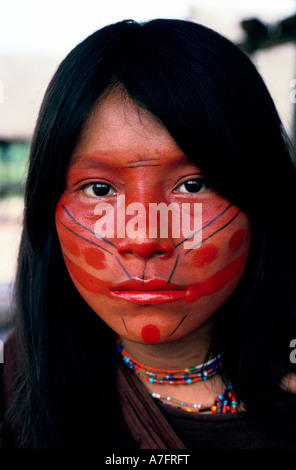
148 426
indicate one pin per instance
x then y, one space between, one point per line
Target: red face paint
71 246
145 292
150 333
86 280
94 257
236 240
215 282
67 241
205 255
136 156
160 292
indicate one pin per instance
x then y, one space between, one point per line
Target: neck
184 353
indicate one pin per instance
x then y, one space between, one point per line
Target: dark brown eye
98 190
101 189
192 186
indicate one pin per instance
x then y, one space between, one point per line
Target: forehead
116 108
118 125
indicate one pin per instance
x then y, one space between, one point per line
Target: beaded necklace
171 376
223 403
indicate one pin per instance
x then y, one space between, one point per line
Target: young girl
156 279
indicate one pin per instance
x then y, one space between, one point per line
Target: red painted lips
147 285
149 291
158 291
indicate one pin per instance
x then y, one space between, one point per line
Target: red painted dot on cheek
237 239
205 255
94 257
150 333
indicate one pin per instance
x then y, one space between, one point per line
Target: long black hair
213 102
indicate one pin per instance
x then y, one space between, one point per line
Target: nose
144 249
141 243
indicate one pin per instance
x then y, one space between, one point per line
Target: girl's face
150 276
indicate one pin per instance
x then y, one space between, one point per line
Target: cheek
81 248
77 216
68 242
86 280
236 240
220 263
217 281
94 257
205 255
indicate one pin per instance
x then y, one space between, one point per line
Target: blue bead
185 376
151 380
189 381
171 376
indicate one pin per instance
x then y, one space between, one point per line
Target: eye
194 185
98 190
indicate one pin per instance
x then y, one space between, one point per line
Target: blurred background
36 35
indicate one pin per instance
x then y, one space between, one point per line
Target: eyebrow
138 166
92 160
139 163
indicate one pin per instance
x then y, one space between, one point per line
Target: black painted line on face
140 166
143 275
124 324
98 246
205 226
124 269
177 326
214 233
86 228
173 270
143 160
85 239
